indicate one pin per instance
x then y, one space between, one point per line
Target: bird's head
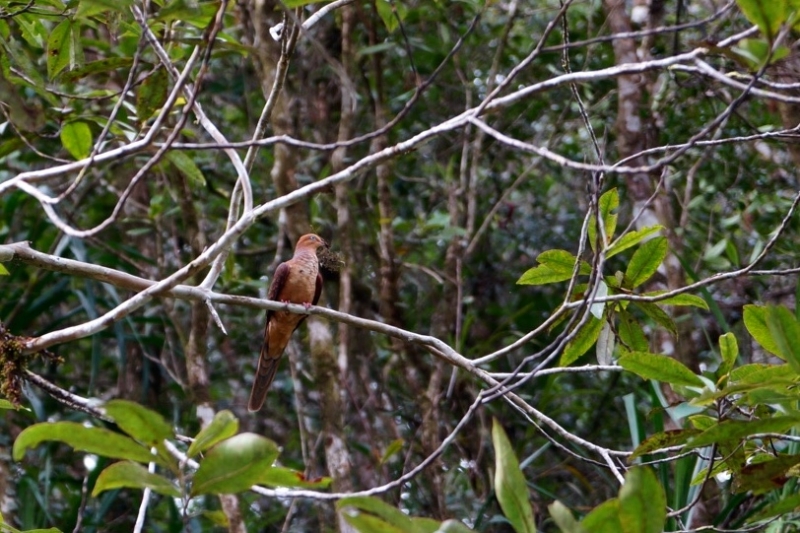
311 242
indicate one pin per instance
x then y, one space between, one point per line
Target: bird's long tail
265 373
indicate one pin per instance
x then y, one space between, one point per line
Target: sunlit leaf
278 476
509 483
755 320
139 422
632 238
645 261
768 15
785 332
609 202
660 368
604 518
234 465
394 518
95 440
77 139
729 351
58 48
223 426
564 519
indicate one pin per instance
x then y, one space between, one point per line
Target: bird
296 281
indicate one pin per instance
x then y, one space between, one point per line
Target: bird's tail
267 367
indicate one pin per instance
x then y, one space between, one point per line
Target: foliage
652 335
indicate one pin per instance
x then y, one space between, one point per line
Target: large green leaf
660 368
645 261
768 15
663 440
680 300
785 331
126 474
152 95
95 440
642 502
604 518
223 426
144 425
77 139
609 202
187 167
735 430
585 339
755 320
279 476
659 315
729 351
632 238
58 48
234 465
509 483
563 518
362 507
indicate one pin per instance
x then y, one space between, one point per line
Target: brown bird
296 281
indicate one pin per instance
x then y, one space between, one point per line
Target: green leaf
509 483
90 8
3 270
768 15
187 168
680 300
144 425
367 523
787 504
392 517
564 519
660 368
152 95
764 476
631 333
785 331
126 474
278 476
632 238
390 11
755 320
604 518
95 67
642 502
95 440
58 48
645 262
234 465
659 315
542 275
77 139
300 3
609 202
584 340
563 262
729 350
453 526
663 440
735 430
223 426
394 447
